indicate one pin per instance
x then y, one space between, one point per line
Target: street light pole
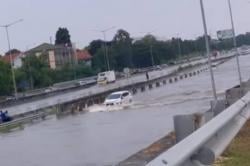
105 45
151 49
152 57
208 50
235 42
106 50
11 58
179 47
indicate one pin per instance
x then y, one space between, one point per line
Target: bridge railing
208 142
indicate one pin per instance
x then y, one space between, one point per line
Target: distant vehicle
121 98
106 77
9 98
244 52
50 89
47 90
81 83
172 63
164 65
158 67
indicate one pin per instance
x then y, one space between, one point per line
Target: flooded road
103 138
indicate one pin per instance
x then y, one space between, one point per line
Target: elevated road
74 95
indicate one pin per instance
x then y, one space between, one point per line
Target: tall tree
5 79
122 49
94 46
63 37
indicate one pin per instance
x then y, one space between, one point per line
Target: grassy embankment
238 153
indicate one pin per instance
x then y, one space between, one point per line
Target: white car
121 98
81 83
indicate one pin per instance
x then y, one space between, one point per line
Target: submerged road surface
103 138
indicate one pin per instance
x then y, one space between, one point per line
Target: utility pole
106 50
151 48
11 58
152 57
179 47
208 50
235 43
50 40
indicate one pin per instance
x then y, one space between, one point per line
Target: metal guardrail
22 120
208 143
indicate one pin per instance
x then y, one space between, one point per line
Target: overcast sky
166 18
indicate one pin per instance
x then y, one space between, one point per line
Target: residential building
56 55
16 56
83 56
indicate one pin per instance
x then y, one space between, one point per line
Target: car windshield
114 96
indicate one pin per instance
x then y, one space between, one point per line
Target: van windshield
102 74
114 96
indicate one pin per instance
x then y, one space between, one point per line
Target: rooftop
83 55
42 48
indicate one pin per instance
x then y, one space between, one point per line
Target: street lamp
11 58
235 42
208 50
105 45
179 47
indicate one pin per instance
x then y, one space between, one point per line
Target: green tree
37 71
122 49
94 46
5 79
99 62
63 37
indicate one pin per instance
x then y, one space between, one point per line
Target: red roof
83 55
6 58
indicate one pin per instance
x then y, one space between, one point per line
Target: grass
238 153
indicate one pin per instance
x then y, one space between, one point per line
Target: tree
37 71
99 62
122 49
63 37
5 79
94 46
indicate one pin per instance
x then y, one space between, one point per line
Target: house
15 56
61 56
56 55
83 56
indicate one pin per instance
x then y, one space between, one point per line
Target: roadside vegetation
238 153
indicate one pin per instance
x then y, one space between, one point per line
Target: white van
106 77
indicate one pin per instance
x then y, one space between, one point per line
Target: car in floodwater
120 98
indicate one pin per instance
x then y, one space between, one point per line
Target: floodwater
105 138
